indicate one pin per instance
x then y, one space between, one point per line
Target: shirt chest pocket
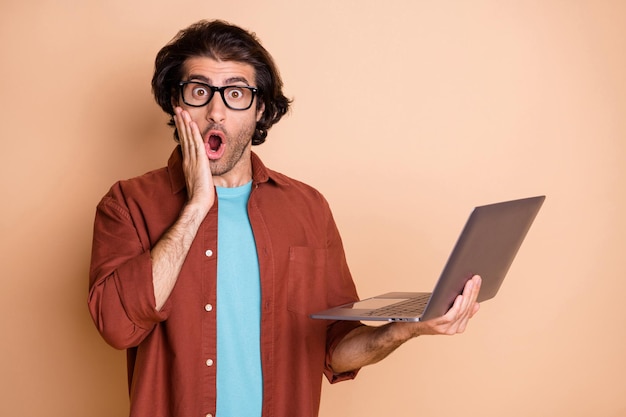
306 284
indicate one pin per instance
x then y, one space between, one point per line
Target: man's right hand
196 168
169 253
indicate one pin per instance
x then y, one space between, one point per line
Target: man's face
227 133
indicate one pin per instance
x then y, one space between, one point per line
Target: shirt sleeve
341 290
336 332
121 294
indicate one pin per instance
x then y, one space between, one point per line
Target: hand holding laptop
476 268
455 320
367 345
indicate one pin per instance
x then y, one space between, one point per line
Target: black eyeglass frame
213 90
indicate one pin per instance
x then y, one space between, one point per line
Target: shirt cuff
336 332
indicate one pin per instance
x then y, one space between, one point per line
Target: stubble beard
237 149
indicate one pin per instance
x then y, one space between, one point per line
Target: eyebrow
228 81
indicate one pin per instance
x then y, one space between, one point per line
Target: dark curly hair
220 40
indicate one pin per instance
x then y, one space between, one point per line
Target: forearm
169 254
367 345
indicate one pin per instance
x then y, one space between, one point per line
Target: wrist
197 207
406 331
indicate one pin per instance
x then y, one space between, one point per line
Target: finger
186 119
194 131
466 297
188 140
182 131
474 295
465 317
470 294
450 321
180 123
477 283
475 310
470 306
462 308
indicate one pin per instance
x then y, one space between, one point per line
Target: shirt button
208 253
209 362
208 307
209 415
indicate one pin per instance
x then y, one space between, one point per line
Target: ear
259 111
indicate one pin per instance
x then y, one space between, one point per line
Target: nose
216 109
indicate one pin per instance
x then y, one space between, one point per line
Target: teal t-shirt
239 374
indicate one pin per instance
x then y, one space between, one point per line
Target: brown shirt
171 353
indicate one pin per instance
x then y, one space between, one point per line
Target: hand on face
195 161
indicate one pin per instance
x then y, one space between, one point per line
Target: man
206 270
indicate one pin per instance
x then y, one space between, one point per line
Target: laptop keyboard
411 307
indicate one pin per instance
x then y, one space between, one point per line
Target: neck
229 181
240 174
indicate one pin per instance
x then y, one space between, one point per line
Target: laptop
487 246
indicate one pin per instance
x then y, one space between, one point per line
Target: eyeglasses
235 97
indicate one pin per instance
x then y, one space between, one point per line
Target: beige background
406 115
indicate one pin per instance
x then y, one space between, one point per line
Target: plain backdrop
406 115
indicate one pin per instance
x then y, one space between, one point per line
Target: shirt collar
260 173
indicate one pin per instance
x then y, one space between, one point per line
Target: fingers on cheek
194 133
196 130
185 129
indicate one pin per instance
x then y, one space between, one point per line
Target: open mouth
214 143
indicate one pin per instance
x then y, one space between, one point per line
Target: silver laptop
487 246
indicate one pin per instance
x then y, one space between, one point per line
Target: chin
218 169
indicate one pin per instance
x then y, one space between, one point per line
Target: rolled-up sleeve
121 293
